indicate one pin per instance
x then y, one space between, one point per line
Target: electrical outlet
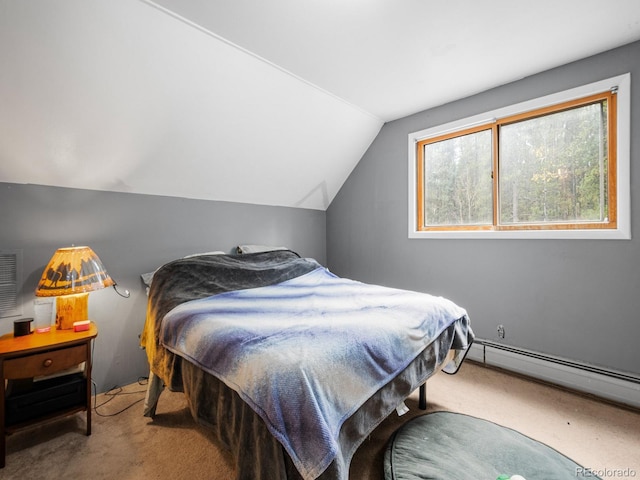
500 331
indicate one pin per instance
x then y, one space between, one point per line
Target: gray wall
134 234
578 299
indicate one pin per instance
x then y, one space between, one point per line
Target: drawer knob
48 362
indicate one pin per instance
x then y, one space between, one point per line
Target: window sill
613 234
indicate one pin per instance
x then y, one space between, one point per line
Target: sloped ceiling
266 102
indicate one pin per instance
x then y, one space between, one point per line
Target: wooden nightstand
43 354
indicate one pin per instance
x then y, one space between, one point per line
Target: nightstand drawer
45 363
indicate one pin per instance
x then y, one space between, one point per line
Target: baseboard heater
608 384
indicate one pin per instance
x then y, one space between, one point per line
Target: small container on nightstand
22 327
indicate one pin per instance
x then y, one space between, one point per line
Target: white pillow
215 252
258 248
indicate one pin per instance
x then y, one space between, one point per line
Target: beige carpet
125 446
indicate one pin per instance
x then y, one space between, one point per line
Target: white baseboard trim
608 384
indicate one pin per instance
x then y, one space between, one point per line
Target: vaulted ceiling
258 101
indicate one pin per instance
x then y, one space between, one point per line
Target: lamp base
71 308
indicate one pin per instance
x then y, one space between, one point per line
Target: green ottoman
453 446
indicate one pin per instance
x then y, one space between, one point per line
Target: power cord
114 392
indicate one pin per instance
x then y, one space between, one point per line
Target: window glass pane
457 180
554 168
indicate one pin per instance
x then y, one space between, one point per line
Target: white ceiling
266 102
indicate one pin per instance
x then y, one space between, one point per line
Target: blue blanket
307 352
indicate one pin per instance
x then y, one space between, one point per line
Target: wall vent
10 279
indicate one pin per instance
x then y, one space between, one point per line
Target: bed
291 366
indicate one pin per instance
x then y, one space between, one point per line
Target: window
556 167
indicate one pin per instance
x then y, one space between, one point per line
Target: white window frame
623 121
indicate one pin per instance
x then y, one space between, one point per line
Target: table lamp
70 275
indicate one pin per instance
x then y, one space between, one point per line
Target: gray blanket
307 352
200 277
